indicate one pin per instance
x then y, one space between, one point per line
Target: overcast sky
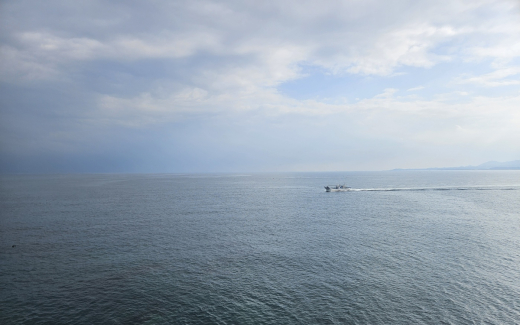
234 86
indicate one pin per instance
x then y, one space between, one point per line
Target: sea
402 247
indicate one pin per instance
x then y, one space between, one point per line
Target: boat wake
454 188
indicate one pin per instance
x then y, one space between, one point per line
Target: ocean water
413 247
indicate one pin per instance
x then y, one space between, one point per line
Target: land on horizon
490 165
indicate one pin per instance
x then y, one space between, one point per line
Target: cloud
72 71
415 88
497 78
340 37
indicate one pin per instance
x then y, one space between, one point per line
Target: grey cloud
171 85
340 32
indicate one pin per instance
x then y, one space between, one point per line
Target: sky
195 86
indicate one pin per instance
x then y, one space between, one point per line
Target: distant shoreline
490 165
456 168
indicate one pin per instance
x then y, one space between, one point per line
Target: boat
336 188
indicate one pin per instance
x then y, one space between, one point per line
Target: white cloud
482 120
407 46
497 78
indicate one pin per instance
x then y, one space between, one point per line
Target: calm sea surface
430 247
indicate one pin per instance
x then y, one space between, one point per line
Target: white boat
336 188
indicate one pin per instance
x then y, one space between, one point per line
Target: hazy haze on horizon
232 86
